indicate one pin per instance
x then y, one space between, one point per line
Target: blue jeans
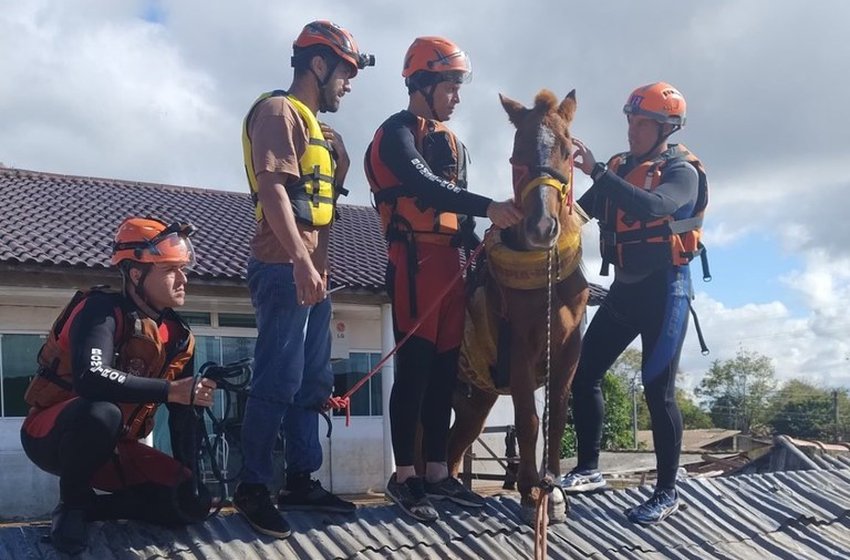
292 374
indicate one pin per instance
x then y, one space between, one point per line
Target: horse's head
541 161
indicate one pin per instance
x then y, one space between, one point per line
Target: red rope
344 401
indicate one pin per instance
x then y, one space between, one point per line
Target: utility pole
836 415
634 411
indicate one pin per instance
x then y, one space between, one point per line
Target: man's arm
398 151
92 337
678 188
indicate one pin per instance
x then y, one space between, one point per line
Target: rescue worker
649 202
416 168
296 168
109 360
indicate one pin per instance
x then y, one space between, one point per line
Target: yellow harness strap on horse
528 270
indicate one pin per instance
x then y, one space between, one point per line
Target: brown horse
507 316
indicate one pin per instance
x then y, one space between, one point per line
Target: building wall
353 459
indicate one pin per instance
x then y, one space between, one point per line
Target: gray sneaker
578 481
410 497
452 489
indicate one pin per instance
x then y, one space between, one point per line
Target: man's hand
583 157
180 391
337 146
309 286
504 214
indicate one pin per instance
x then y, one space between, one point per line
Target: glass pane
197 318
346 374
237 320
19 364
233 349
375 386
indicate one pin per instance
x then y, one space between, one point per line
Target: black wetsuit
80 439
651 303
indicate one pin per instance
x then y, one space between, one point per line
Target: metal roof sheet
793 515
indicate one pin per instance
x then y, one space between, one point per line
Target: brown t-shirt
278 139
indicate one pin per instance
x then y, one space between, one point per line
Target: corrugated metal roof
793 515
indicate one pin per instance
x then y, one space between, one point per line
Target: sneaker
452 489
68 531
656 509
254 502
410 497
586 480
313 497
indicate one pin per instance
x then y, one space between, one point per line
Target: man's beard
328 101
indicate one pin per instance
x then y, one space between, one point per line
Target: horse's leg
526 418
471 406
564 369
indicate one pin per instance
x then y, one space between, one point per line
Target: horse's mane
545 101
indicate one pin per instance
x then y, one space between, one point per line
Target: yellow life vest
313 196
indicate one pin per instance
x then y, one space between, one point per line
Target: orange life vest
139 350
634 245
402 216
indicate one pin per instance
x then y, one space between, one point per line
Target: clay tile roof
63 220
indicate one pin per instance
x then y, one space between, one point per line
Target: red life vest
139 348
403 218
633 245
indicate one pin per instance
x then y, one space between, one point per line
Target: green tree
737 392
800 409
627 367
617 429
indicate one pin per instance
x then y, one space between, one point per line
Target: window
367 400
17 368
221 350
195 318
240 320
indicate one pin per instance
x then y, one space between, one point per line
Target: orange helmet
437 55
659 101
148 240
340 41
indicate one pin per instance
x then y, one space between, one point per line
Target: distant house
693 441
55 236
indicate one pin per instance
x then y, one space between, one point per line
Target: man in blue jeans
296 167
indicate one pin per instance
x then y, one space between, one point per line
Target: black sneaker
452 489
254 502
312 497
68 531
410 497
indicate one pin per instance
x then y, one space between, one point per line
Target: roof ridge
112 181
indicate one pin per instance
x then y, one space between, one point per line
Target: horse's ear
567 108
515 110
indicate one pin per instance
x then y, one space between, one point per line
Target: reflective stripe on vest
401 214
313 196
632 244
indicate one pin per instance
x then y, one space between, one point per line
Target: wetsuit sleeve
589 202
678 188
92 340
398 151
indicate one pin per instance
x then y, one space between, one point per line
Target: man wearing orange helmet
110 359
650 203
296 167
416 169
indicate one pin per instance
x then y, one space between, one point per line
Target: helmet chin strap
322 83
661 139
428 93
138 295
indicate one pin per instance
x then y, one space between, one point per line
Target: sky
156 90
